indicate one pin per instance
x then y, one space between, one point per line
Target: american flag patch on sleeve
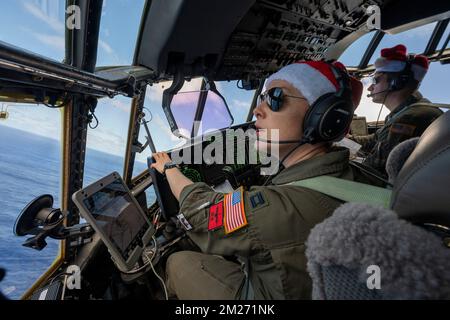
234 216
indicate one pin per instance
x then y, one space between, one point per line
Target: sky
38 26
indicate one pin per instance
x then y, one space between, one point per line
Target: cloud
105 46
50 18
193 85
154 93
219 87
164 128
121 105
46 122
57 25
52 21
238 104
104 140
56 42
35 119
239 109
109 56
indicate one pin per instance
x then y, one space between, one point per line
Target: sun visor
191 33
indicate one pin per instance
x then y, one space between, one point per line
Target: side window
433 85
159 128
415 40
444 38
120 20
372 111
238 100
30 162
353 54
106 140
34 25
157 123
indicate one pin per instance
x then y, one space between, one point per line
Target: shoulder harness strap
346 190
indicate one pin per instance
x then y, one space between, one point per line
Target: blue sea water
30 166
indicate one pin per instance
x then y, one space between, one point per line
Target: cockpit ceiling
248 39
279 32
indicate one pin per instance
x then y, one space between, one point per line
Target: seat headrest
413 262
421 189
398 157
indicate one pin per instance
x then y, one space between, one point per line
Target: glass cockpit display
116 214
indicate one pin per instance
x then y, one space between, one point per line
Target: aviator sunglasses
375 79
274 98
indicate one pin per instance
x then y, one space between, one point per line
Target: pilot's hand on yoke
161 158
177 181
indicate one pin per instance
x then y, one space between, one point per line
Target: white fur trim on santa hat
385 65
306 79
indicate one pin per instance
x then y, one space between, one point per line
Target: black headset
398 82
329 117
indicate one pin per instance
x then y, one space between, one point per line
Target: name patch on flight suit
215 216
234 211
403 129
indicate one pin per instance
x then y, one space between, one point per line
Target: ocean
30 166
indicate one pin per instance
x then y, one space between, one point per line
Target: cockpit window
444 38
415 40
162 135
238 100
34 25
30 165
106 140
434 87
119 28
435 84
353 54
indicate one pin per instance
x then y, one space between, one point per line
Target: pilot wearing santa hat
395 84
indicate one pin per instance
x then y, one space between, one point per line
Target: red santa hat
394 60
314 79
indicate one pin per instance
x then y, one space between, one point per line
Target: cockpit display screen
117 215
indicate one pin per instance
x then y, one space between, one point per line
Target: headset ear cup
336 121
313 125
312 120
401 80
329 117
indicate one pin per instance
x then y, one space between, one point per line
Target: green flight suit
408 120
279 220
